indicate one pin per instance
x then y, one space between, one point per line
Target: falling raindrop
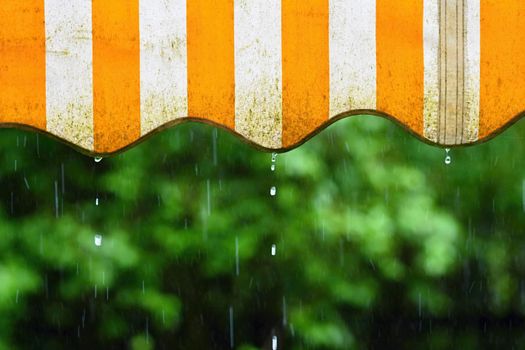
214 146
285 321
37 146
56 199
63 176
232 341
274 158
147 330
419 304
523 194
273 191
98 159
274 342
96 201
208 196
237 256
98 240
274 249
448 158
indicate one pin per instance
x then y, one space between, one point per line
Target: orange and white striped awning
102 74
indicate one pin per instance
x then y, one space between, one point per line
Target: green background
378 243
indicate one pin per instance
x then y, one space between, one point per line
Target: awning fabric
103 74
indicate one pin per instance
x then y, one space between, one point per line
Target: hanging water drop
274 249
274 159
98 159
273 191
98 240
448 158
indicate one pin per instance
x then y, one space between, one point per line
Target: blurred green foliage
378 243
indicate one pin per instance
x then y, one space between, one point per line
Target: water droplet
208 194
232 340
56 199
273 191
96 201
274 342
147 330
237 256
274 249
98 240
98 159
274 158
285 321
523 194
448 158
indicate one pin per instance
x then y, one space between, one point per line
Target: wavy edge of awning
179 121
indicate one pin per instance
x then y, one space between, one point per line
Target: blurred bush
378 243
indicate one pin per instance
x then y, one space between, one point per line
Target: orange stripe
502 69
211 71
116 69
400 70
305 67
23 62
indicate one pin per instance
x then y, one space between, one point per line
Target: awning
103 74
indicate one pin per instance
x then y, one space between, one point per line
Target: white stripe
163 62
352 55
69 67
472 69
431 65
258 71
